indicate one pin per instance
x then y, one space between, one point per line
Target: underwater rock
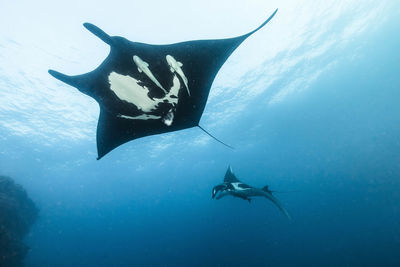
17 214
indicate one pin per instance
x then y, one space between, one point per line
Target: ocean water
311 104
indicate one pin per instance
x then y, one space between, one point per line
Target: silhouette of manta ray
233 187
145 89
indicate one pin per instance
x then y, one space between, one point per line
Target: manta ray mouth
217 191
169 118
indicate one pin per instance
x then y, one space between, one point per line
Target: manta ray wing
230 177
145 89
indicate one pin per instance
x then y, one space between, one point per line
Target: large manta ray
145 89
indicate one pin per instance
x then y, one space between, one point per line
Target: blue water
337 143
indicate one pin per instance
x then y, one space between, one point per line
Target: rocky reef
17 214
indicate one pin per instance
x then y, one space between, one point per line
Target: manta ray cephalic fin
98 32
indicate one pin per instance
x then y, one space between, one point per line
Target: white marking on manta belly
127 88
140 117
143 66
236 187
175 66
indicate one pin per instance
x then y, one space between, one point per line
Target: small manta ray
145 89
232 186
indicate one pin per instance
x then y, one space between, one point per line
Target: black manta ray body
145 89
233 187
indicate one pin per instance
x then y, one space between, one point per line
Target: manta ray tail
215 137
284 192
98 32
278 204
